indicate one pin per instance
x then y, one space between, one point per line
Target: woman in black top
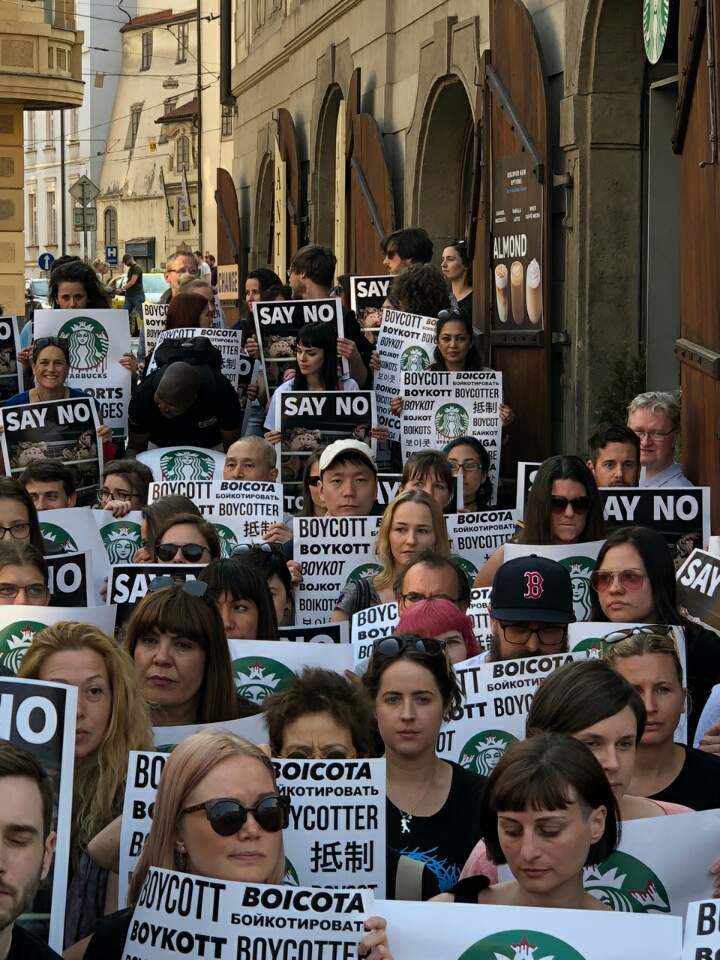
432 806
664 770
456 267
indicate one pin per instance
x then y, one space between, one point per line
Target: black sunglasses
194 588
394 646
244 549
227 816
192 552
578 504
43 342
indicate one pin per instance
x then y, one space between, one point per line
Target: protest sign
62 431
277 324
577 558
439 406
74 530
70 579
388 487
317 633
478 611
702 931
367 296
39 717
129 582
97 340
10 374
464 931
310 420
262 667
246 507
20 622
227 340
154 317
681 515
121 536
698 581
336 835
474 537
186 464
241 921
252 728
406 342
526 473
344 548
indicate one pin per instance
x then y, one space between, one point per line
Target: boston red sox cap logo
534 585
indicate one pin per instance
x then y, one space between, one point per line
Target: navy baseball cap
532 589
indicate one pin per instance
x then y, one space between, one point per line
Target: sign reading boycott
577 558
227 340
682 516
702 931
10 376
331 551
129 582
199 917
406 342
367 295
698 582
475 536
154 317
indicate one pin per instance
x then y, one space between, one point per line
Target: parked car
38 289
154 285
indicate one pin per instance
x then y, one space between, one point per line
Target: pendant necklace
406 816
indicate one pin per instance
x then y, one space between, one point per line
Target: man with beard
615 457
27 844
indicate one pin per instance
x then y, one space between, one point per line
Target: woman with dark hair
271 563
189 309
547 811
18 517
634 582
455 348
75 286
186 538
313 502
467 454
564 507
456 267
155 517
432 804
243 599
23 575
175 636
50 365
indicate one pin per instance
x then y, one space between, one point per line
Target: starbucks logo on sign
627 885
580 569
470 569
482 752
89 344
451 421
122 540
57 536
364 571
593 646
290 875
15 640
228 540
186 465
414 360
258 677
521 945
656 17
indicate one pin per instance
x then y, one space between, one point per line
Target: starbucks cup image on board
533 292
517 292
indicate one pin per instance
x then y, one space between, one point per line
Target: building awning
185 111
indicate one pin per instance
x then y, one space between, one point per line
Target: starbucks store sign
656 17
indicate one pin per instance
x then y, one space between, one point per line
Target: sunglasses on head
192 552
602 580
227 816
194 588
244 549
578 504
394 646
651 630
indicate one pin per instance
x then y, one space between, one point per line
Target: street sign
111 256
84 191
85 218
46 261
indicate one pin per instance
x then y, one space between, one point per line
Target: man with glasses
655 419
177 265
125 487
51 485
531 605
430 576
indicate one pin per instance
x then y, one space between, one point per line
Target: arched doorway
444 171
326 168
263 233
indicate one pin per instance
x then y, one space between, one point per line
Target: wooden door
229 243
287 143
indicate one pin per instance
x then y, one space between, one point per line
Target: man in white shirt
203 268
655 418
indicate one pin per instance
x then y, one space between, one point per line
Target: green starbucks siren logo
414 360
521 945
580 569
656 18
470 569
258 677
451 421
627 885
228 540
89 344
184 464
122 539
482 752
291 876
57 536
364 572
15 639
592 646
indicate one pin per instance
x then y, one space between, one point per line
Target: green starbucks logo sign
57 536
580 569
364 571
258 677
15 639
122 539
186 465
627 885
592 646
656 18
228 540
414 360
470 569
451 421
482 753
89 344
290 876
521 945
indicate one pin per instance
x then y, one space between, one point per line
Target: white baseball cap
334 450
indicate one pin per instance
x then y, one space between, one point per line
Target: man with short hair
133 288
531 605
431 576
203 268
251 458
51 485
348 479
655 419
176 265
615 457
125 486
27 842
404 247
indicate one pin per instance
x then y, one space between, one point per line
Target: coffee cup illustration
517 292
501 292
533 292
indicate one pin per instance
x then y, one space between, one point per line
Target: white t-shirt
205 271
344 383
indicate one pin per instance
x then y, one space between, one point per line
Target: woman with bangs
243 598
429 470
177 641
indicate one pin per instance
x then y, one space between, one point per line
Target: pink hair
430 618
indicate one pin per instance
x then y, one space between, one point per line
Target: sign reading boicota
517 242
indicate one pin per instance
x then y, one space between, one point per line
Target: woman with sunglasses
564 507
186 538
243 599
413 521
432 805
547 812
176 638
664 770
468 456
313 501
154 518
634 582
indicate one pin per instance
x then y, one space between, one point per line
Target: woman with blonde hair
218 813
112 720
413 521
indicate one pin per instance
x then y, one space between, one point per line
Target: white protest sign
74 530
154 318
20 622
227 340
406 342
182 465
702 931
478 611
251 728
223 920
262 667
39 717
577 558
464 931
440 406
474 537
122 537
331 551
